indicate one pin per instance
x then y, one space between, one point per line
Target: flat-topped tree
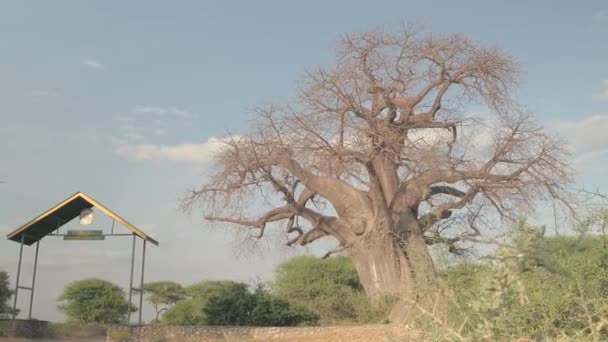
383 138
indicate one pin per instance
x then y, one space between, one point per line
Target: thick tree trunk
397 262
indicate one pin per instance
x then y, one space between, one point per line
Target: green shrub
190 311
330 287
558 289
185 312
6 310
94 301
231 303
5 328
259 308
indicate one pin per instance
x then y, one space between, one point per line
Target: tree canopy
94 301
163 293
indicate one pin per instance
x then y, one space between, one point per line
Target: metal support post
131 279
34 280
141 283
17 278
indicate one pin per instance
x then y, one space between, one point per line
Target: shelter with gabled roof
48 224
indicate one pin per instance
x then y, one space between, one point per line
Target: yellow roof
61 214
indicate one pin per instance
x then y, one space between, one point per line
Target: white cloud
182 153
134 136
149 109
143 122
93 64
583 160
603 96
175 111
586 135
429 138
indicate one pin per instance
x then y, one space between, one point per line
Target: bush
5 328
259 308
330 287
232 303
94 301
190 311
560 290
6 310
185 312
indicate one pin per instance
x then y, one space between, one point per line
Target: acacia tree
380 152
163 293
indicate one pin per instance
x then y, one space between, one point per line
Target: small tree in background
163 293
244 308
231 307
231 303
5 294
209 288
185 312
94 301
190 311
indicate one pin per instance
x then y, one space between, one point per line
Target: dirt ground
6 339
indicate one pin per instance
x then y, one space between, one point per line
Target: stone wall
25 328
204 333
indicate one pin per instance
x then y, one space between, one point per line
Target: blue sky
123 100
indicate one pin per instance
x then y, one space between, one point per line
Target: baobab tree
382 152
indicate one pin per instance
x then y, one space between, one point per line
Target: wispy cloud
172 110
586 138
182 153
603 95
586 135
140 127
93 64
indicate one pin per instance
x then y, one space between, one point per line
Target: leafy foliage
232 303
163 293
329 286
546 287
94 301
259 308
5 294
185 312
206 289
190 311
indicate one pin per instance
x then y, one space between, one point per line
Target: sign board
84 235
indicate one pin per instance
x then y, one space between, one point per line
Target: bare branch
333 251
381 142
